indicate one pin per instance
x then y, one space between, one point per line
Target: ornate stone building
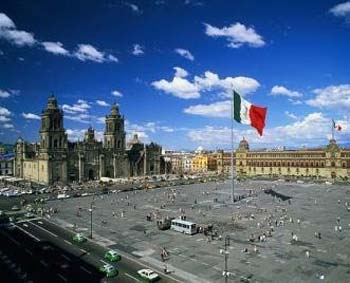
55 159
331 162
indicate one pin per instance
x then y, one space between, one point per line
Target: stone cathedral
56 159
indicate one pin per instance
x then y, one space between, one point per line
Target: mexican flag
246 113
336 126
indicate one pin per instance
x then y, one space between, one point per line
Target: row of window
287 155
284 164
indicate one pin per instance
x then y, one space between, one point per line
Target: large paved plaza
119 220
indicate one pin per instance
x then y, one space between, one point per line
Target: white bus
183 226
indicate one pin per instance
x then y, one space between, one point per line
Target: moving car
15 208
112 256
148 275
79 238
109 270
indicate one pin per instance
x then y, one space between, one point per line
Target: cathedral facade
56 159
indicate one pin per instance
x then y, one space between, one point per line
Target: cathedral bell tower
114 136
114 143
53 143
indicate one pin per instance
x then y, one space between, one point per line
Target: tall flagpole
233 178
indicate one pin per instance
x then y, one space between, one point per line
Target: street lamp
225 252
91 210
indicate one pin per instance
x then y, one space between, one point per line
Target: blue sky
171 65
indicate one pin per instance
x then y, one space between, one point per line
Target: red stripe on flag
257 117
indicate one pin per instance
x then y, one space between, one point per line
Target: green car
109 270
79 238
112 256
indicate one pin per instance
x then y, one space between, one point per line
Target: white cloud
55 48
4 119
313 129
183 88
134 8
88 52
281 90
331 97
291 115
181 73
341 10
112 58
117 93
30 116
295 102
185 53
217 109
81 106
4 93
236 34
102 103
4 111
9 32
137 50
7 126
178 87
81 118
6 22
210 81
150 127
84 52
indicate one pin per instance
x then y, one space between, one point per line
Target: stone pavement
313 208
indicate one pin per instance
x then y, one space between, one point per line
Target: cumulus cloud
4 93
137 50
341 10
55 48
102 103
84 52
185 53
4 111
87 52
7 126
331 97
313 129
5 118
9 32
236 34
217 109
283 91
185 89
81 118
181 73
81 106
117 93
30 116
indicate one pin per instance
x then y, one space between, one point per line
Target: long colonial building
331 162
55 159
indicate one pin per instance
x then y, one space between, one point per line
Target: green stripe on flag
237 107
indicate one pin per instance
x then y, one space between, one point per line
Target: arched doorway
91 174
